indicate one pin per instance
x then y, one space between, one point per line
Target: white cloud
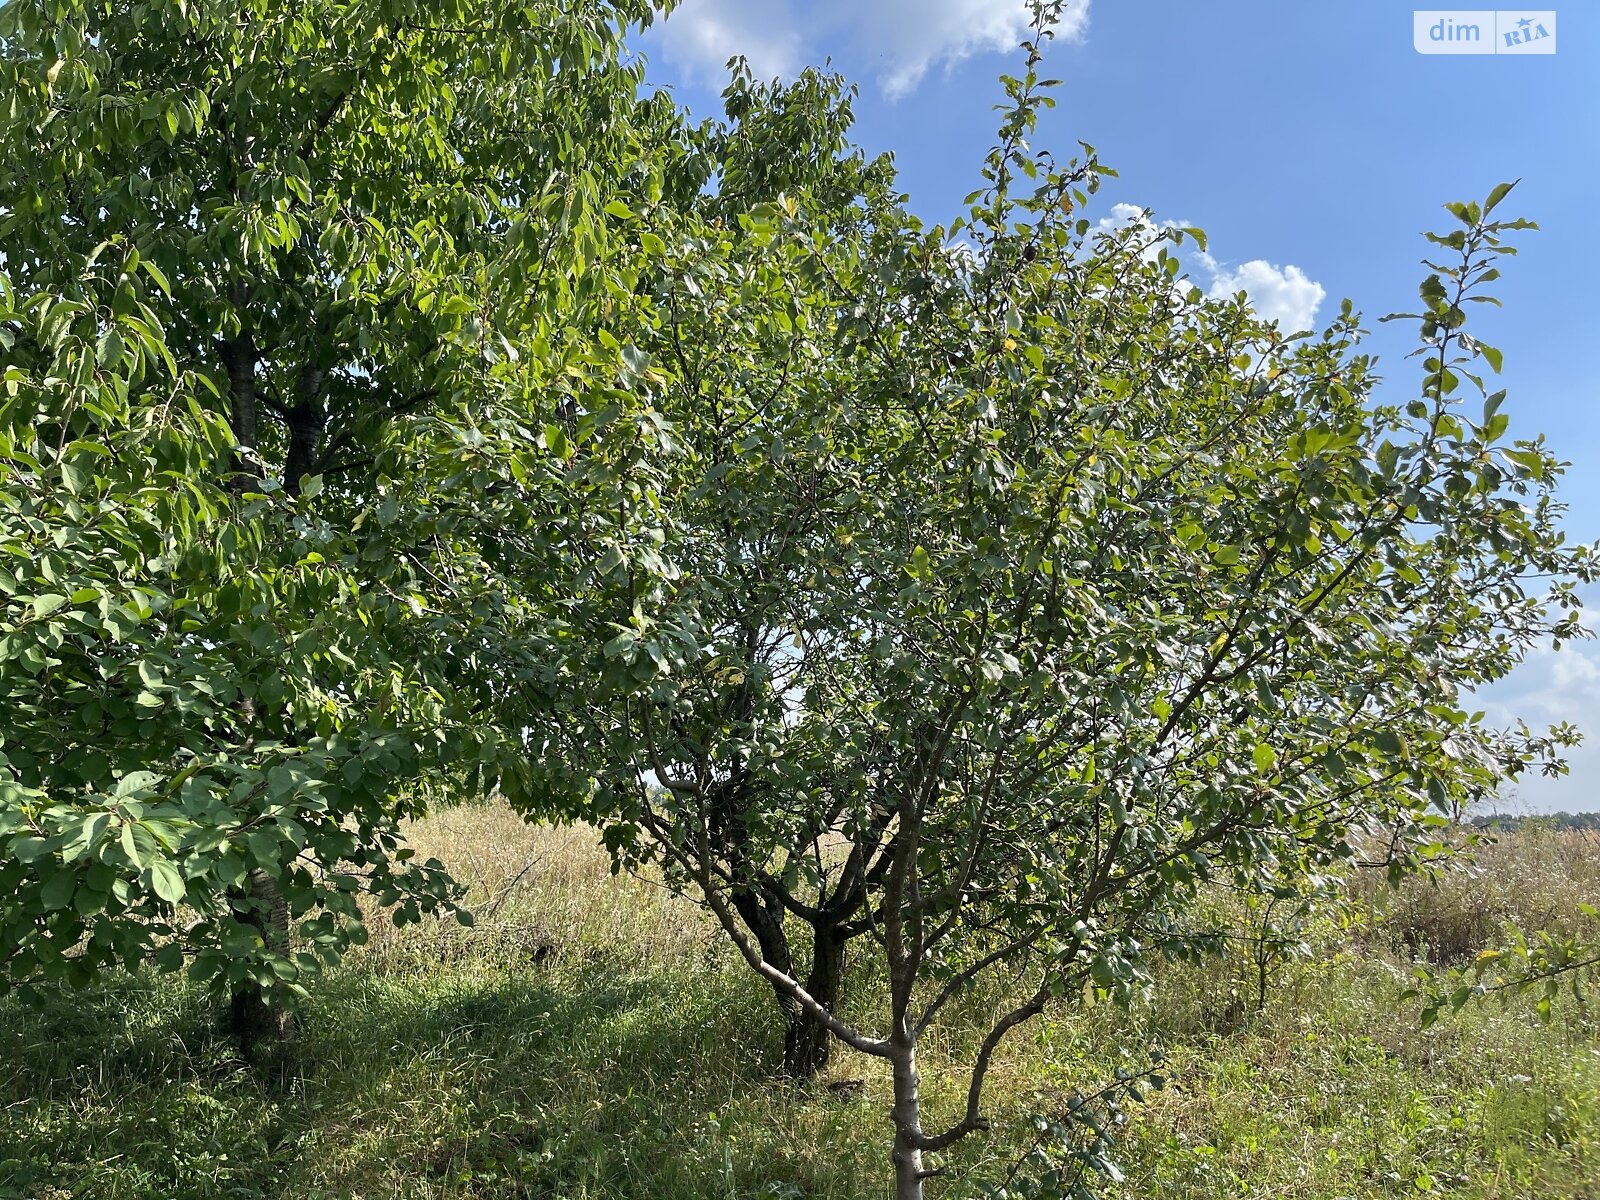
1122 214
909 37
1151 237
917 35
1282 294
702 35
1549 687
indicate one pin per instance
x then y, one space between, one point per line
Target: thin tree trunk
261 1030
239 357
907 1114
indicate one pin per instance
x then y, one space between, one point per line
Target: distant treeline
1557 820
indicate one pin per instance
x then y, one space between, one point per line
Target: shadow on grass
578 1080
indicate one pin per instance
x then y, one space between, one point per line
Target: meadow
594 1037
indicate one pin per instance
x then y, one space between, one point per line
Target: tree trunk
907 1114
239 356
307 421
807 1042
764 918
263 1030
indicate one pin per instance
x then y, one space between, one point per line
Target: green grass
462 1081
636 1061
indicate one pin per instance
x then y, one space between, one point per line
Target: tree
177 709
994 594
559 488
253 255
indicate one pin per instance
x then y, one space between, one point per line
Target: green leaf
1530 461
168 958
58 889
157 275
74 476
166 881
131 846
1500 192
1389 742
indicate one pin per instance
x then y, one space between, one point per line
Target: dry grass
547 889
1534 879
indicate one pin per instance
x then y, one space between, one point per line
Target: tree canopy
253 257
400 402
993 589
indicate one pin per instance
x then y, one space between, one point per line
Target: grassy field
593 1037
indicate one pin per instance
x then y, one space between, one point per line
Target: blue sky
1311 142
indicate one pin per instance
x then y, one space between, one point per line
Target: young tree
573 543
253 254
997 592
